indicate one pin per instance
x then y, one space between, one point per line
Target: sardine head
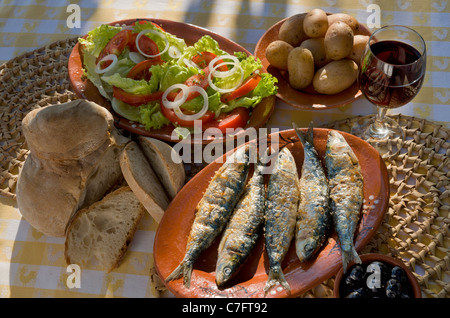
223 274
338 146
305 249
336 142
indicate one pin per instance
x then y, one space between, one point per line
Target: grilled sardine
313 219
280 215
346 192
214 210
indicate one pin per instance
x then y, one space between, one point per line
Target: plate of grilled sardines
274 221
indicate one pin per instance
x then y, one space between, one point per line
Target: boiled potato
359 45
335 77
317 48
300 67
277 54
316 23
346 18
291 31
338 41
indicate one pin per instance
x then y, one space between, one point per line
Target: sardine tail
183 270
349 256
276 277
310 133
299 133
305 137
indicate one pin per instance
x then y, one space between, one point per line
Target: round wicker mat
415 228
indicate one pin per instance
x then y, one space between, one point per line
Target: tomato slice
132 42
249 85
236 119
115 46
135 99
141 70
196 80
170 115
204 58
147 46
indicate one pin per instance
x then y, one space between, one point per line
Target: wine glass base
373 132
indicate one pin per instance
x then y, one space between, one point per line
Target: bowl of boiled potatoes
315 56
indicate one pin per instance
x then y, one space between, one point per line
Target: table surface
30 24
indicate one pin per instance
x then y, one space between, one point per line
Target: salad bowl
85 89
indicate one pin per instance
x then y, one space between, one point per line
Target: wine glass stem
381 113
379 128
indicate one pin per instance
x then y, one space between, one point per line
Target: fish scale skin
214 210
280 215
313 220
243 229
346 193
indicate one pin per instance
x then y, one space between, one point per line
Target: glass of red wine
391 74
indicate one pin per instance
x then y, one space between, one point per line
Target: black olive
399 274
359 293
393 288
356 277
384 275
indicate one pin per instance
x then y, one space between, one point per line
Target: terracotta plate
190 33
308 98
171 237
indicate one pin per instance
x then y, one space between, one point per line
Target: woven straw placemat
415 228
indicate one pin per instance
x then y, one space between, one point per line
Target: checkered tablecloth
33 265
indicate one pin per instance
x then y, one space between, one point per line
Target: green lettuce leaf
132 86
151 116
196 104
248 64
266 87
89 71
205 43
173 74
97 38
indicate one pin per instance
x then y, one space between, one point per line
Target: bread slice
141 178
100 234
161 157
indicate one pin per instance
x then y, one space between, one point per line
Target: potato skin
277 54
338 41
291 31
335 77
316 23
346 18
317 48
300 67
359 45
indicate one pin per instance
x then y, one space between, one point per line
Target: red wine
396 83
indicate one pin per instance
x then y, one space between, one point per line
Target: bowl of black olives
378 276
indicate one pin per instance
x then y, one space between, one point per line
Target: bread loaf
73 161
98 236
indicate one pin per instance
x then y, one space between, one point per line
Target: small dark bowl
366 259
